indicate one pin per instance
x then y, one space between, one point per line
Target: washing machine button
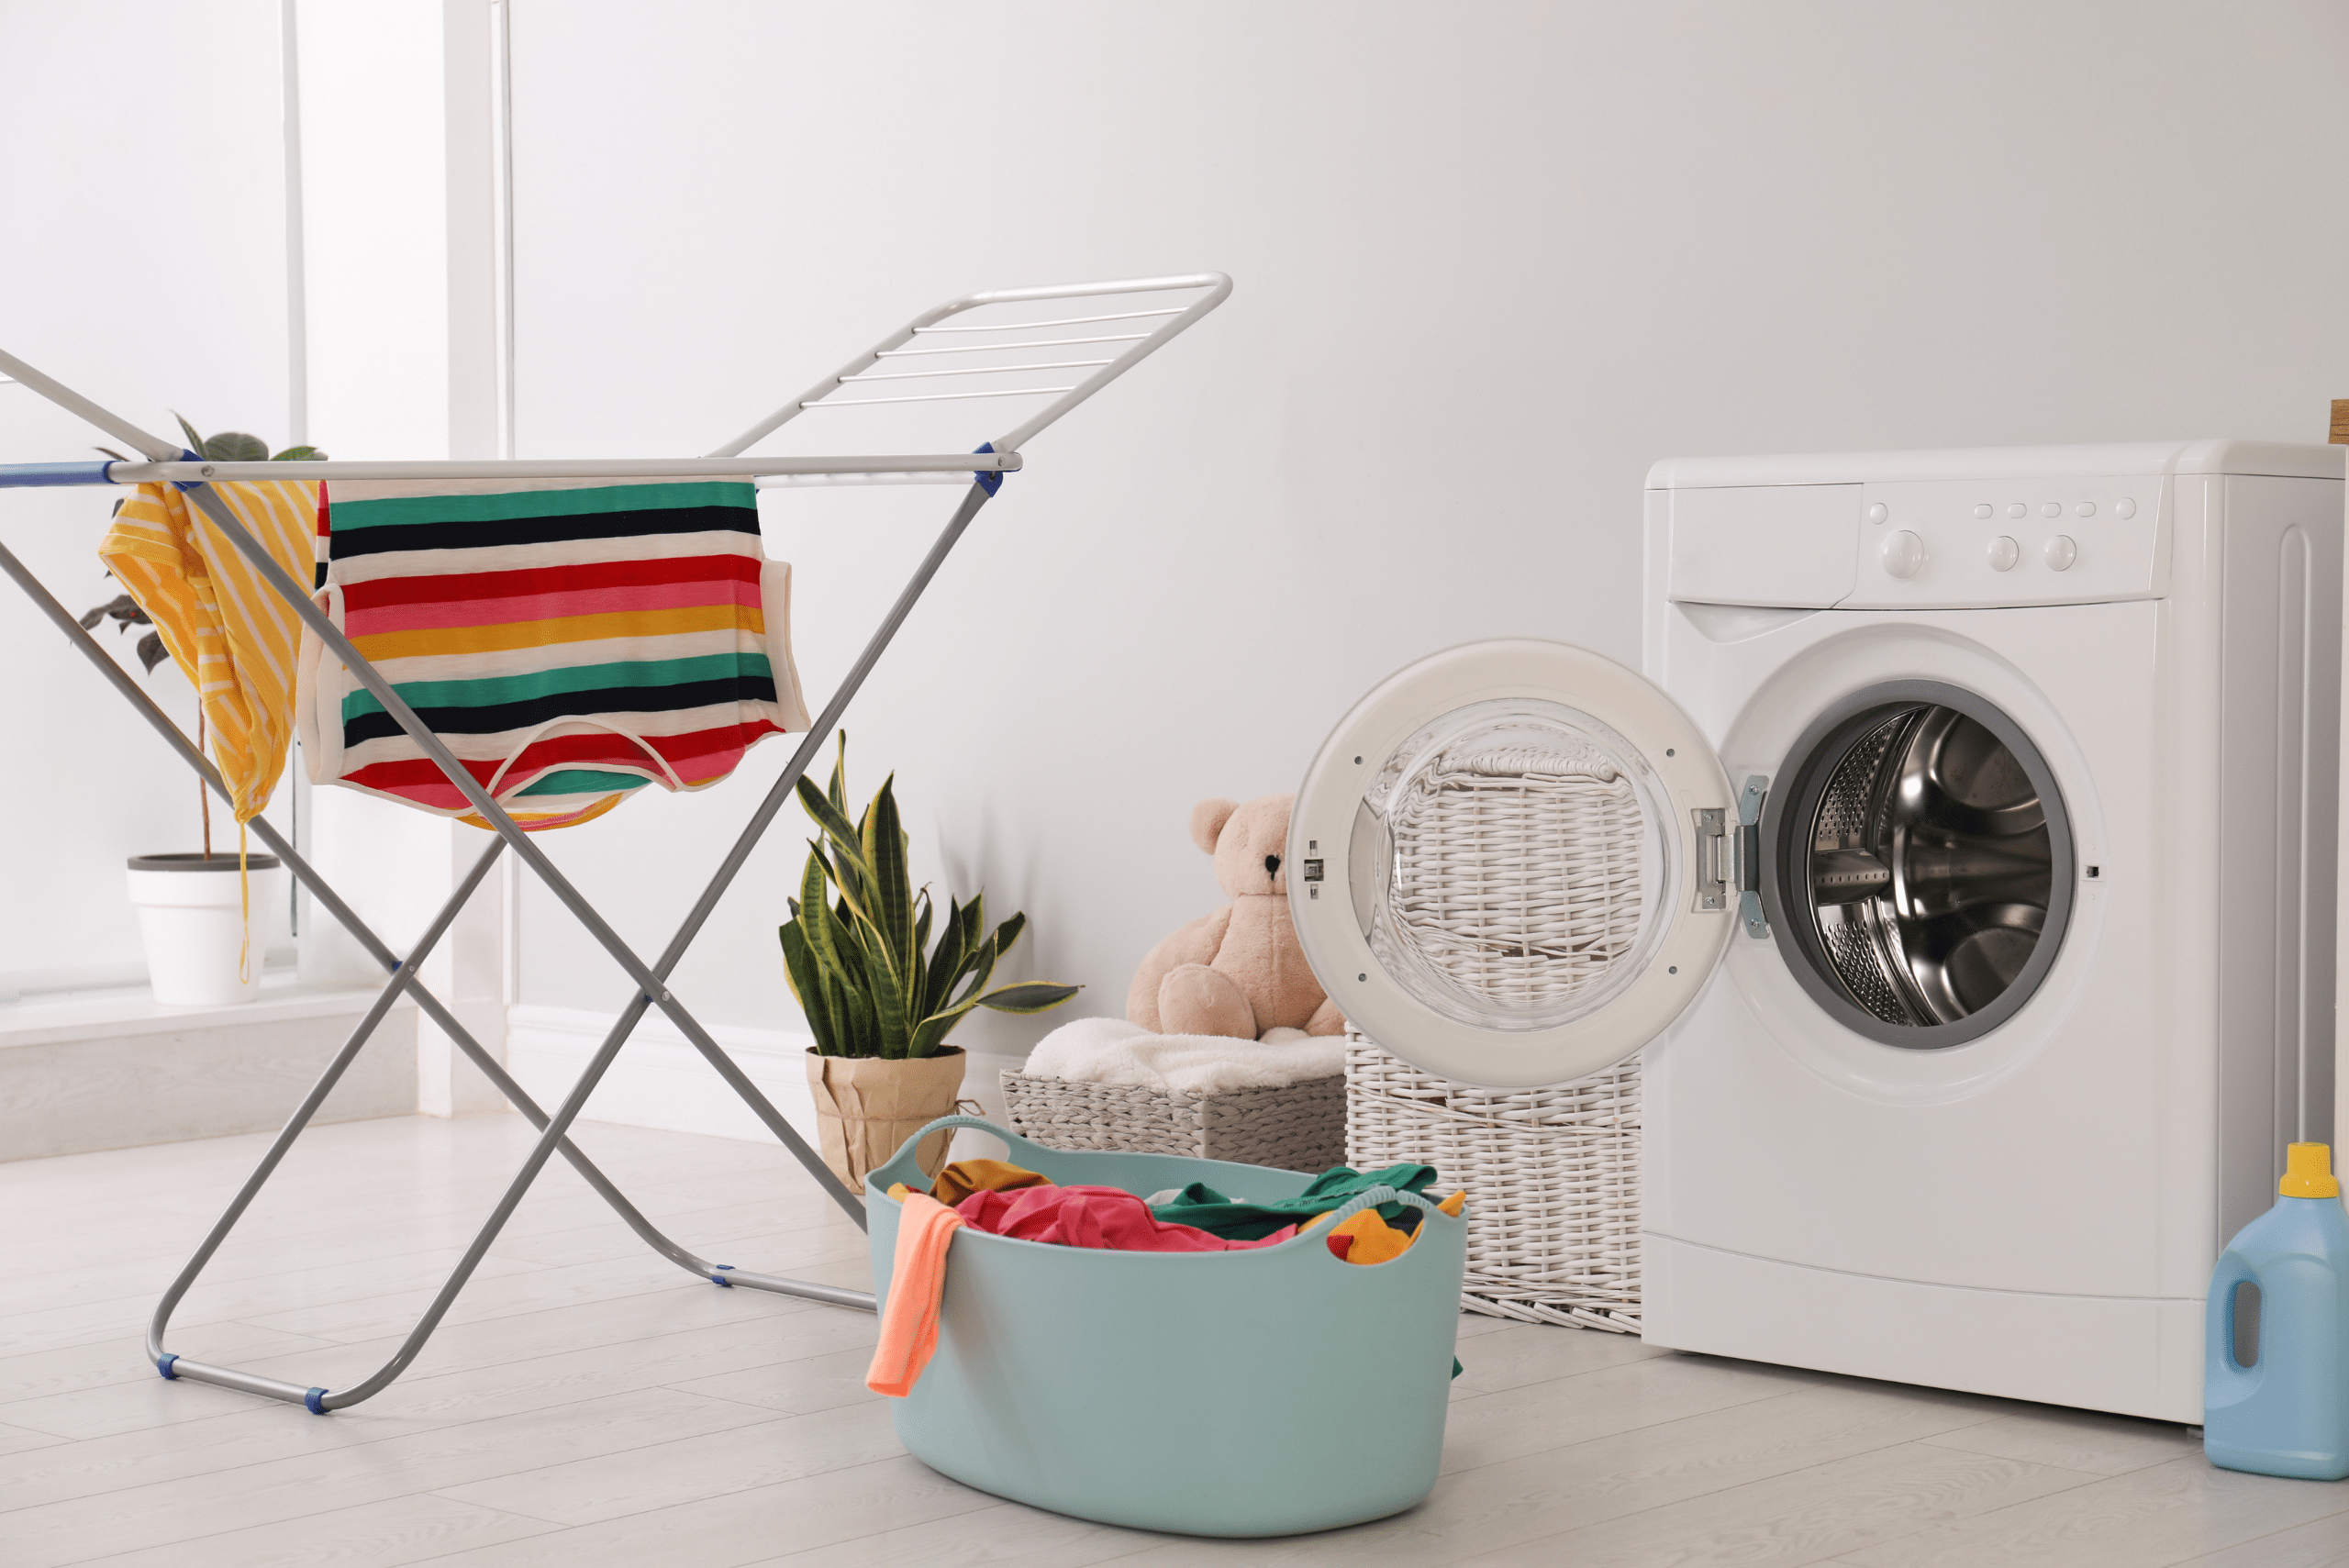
2052 509
1984 510
2004 553
2017 509
1904 552
2086 509
1878 512
2124 508
2062 553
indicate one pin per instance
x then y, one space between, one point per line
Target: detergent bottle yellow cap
2308 1172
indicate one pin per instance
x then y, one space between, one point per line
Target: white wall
1492 261
142 262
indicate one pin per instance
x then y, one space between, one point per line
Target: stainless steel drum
1922 866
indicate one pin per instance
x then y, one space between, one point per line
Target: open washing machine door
1517 862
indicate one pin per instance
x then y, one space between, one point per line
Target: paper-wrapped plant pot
866 1107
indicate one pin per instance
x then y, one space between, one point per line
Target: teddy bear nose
1271 865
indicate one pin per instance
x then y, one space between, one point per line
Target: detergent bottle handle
2226 1379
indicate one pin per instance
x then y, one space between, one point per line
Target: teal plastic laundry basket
1265 1392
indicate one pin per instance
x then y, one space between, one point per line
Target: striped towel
229 631
571 641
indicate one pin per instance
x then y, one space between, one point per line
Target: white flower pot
192 921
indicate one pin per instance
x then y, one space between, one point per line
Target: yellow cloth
963 1178
227 629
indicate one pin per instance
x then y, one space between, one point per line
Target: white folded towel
1111 1050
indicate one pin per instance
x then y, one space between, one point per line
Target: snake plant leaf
946 963
930 1033
884 850
922 913
981 967
822 932
1028 996
1009 932
850 875
808 988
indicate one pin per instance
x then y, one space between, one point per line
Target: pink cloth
1105 1217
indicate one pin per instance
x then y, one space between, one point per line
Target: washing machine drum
1515 862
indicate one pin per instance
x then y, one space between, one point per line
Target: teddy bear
1237 972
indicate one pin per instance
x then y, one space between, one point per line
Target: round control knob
1878 512
2062 553
2004 553
2124 508
1904 552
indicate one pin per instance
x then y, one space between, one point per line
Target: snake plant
857 948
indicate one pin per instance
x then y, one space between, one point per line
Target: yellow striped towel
224 626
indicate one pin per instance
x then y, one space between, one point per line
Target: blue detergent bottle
2276 1386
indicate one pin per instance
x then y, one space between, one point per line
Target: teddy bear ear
1208 818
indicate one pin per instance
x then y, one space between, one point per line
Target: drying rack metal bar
167 463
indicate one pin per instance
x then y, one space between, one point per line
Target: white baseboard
661 1081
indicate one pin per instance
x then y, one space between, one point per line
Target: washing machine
1961 861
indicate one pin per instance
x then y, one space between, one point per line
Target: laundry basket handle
1377 1195
902 1167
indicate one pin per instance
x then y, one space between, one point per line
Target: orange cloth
916 1282
1367 1238
964 1178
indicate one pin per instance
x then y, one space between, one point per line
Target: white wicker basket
1298 1126
1553 1178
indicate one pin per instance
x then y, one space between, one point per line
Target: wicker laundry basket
1553 1178
1298 1126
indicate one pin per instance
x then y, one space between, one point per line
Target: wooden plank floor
586 1404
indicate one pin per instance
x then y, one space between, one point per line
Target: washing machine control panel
1965 544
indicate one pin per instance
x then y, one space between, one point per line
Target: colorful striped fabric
571 642
229 631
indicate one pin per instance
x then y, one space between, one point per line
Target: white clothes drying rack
1107 344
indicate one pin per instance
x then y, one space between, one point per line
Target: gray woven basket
1553 1178
1298 1127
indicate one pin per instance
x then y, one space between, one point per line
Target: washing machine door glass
1512 864
1921 864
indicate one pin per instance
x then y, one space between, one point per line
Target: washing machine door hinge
1749 856
1729 857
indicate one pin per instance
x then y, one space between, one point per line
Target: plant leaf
235 445
1009 932
195 441
150 651
807 987
1027 996
300 454
892 913
849 870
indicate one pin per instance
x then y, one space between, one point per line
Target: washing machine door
1514 863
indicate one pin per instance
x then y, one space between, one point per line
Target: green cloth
1201 1205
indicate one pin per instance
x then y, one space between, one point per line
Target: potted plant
880 996
194 918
